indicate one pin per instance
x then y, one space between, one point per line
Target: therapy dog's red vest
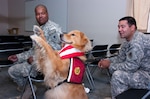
77 68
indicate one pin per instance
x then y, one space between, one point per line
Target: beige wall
3 17
16 15
12 16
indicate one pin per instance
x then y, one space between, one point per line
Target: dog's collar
68 51
61 82
65 81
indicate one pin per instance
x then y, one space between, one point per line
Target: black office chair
98 52
114 49
147 94
7 49
10 45
134 94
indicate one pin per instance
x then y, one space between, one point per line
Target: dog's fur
55 69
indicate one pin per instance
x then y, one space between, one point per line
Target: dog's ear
87 44
36 29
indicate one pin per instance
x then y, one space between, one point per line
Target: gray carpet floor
101 91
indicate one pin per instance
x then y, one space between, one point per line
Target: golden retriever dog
61 74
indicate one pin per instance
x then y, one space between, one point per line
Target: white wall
97 18
57 10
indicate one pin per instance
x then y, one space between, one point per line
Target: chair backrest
99 51
7 49
114 48
10 45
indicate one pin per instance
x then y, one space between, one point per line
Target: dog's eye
73 34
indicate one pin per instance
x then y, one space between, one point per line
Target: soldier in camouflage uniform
131 68
24 61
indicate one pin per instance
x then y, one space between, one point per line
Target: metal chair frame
147 94
98 52
30 79
113 50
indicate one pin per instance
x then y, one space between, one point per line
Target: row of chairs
97 53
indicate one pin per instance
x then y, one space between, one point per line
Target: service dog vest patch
76 71
77 67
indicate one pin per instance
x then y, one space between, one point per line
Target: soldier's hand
13 58
30 60
104 63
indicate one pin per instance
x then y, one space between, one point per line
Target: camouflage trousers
122 80
20 71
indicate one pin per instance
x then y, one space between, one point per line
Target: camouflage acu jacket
52 32
134 55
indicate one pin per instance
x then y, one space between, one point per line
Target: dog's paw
36 30
33 37
36 41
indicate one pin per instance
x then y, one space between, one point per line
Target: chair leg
90 78
146 95
109 75
32 89
28 79
87 75
92 70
